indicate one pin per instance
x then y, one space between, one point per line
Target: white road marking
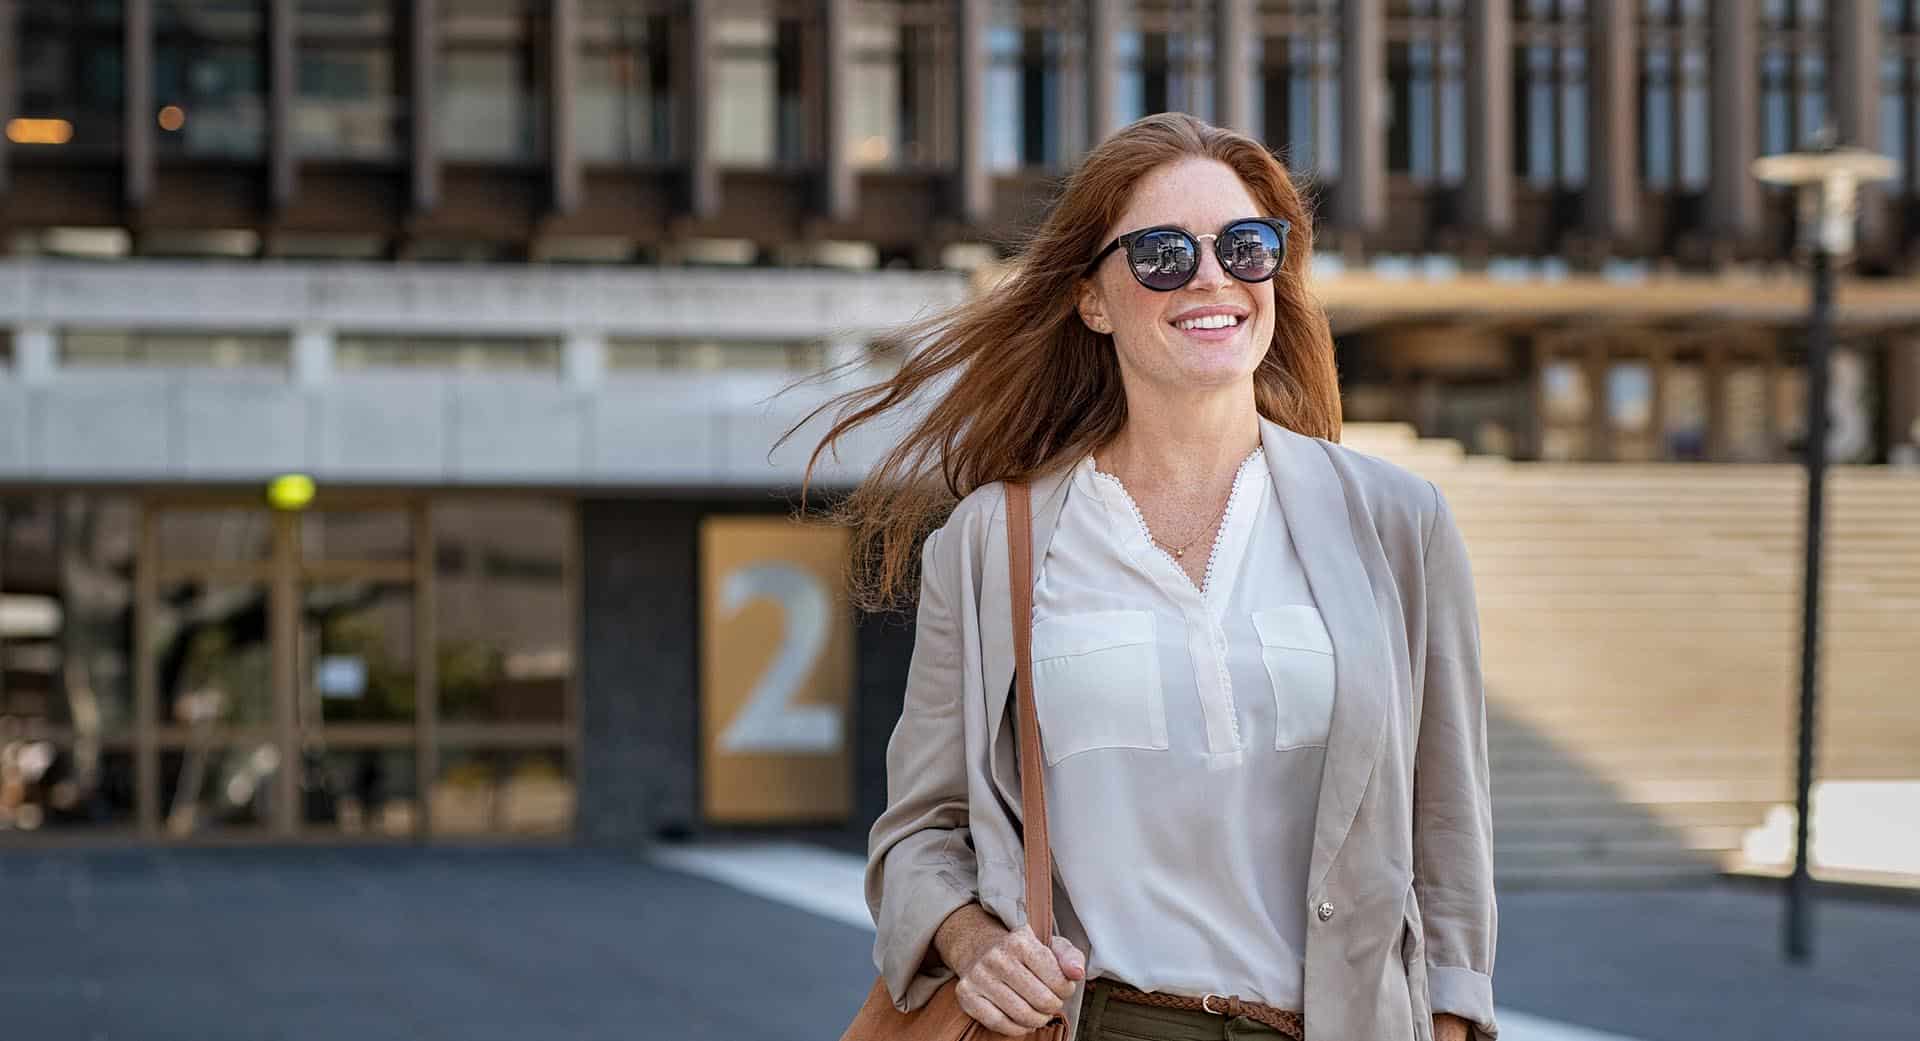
830 884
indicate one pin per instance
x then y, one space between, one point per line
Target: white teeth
1212 321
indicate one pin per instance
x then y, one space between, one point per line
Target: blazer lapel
996 616
1313 501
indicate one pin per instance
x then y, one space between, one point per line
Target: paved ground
555 945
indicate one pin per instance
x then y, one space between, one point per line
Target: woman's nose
1209 275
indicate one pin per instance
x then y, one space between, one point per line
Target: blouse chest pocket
1298 653
1096 683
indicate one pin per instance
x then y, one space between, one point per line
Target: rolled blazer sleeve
1452 798
920 865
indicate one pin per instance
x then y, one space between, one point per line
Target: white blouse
1184 733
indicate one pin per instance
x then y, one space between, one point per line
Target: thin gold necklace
1181 551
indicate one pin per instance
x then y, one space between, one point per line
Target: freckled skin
1202 196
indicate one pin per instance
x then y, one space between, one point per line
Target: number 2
767 723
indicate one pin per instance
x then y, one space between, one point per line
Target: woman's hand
1451 1028
1010 982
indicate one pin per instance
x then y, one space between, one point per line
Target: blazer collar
1322 521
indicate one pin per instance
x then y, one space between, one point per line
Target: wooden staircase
1640 642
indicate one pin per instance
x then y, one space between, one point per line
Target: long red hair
1013 384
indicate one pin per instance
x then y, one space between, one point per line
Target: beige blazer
1401 883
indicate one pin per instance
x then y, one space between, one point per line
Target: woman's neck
1194 440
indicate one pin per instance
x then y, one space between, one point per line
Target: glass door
277 687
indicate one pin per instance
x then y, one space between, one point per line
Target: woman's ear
1093 308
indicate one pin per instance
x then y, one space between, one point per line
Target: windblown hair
1016 384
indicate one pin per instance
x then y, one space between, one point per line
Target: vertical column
1489 75
1855 29
1103 67
281 84
583 358
283 624
424 48
563 47
1362 196
838 186
426 672
137 144
1233 65
312 355
36 353
1733 196
1613 196
146 678
703 177
974 194
9 75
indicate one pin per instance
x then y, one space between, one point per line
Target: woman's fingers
1027 969
1019 985
1072 963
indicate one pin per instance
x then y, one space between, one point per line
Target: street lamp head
1827 178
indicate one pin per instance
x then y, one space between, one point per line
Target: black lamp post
1826 178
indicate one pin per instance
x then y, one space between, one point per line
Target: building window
134 348
1793 73
351 103
1900 87
1550 93
498 354
759 113
1297 104
210 78
489 94
1024 96
1166 62
625 101
715 355
71 78
901 84
66 651
1674 95
1426 57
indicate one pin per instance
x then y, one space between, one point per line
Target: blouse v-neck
1229 542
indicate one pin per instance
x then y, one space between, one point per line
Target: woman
1255 652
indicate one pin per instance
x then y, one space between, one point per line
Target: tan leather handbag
941 1018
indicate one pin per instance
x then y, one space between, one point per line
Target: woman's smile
1210 324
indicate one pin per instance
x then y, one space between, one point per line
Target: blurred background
403 629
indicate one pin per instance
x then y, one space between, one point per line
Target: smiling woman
1244 640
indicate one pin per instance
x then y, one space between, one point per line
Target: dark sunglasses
1165 258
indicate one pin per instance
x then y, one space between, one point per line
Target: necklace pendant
1178 553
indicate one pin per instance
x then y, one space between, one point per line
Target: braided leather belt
1286 1021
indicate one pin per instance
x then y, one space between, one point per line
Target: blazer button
1325 911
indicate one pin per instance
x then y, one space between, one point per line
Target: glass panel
1743 403
488 91
625 101
356 649
1683 424
362 791
66 611
716 355
1565 403
1630 410
503 616
217 788
494 354
213 660
350 102
217 535
1790 410
122 347
52 787
210 77
356 535
71 75
745 109
876 78
503 791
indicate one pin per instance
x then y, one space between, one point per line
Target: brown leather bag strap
1033 797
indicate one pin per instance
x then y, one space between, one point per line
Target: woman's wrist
966 934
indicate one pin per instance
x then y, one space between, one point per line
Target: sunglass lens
1251 251
1163 259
